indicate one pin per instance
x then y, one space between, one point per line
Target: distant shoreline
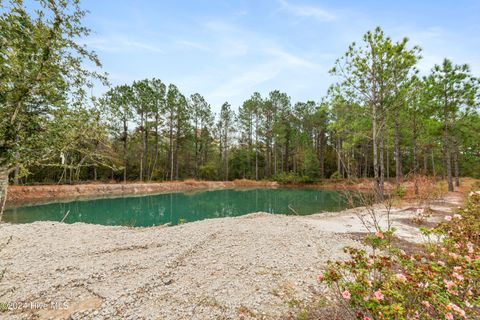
24 195
41 194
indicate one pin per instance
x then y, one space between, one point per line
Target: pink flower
457 276
370 261
457 216
449 284
470 247
457 269
440 262
453 255
378 294
346 294
448 218
454 292
320 278
449 316
420 210
426 304
380 234
401 277
454 307
367 318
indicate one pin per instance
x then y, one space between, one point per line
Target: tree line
381 118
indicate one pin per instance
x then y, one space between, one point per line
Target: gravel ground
253 266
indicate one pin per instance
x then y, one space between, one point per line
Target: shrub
208 171
399 191
441 281
336 175
293 178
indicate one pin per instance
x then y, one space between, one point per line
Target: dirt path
256 265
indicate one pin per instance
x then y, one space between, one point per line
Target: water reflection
174 207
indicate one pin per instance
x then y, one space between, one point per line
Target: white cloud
119 43
193 45
250 60
308 11
228 40
288 59
437 44
242 84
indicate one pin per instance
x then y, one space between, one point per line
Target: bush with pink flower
440 281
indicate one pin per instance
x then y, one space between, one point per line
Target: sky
226 50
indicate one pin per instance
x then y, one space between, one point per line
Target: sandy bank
254 265
18 195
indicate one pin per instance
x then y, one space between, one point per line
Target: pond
175 208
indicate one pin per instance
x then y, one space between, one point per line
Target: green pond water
181 207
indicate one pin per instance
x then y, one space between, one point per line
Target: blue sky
226 50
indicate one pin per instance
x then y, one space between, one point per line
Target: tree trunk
177 146
322 154
170 150
3 189
147 161
376 174
195 136
156 148
388 163
414 144
16 173
226 156
434 173
256 146
456 167
275 158
448 155
125 151
70 173
339 157
287 150
365 170
381 159
142 148
425 162
398 160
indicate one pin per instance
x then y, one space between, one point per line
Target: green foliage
336 175
399 191
293 178
41 68
208 171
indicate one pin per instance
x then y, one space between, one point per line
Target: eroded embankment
19 195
